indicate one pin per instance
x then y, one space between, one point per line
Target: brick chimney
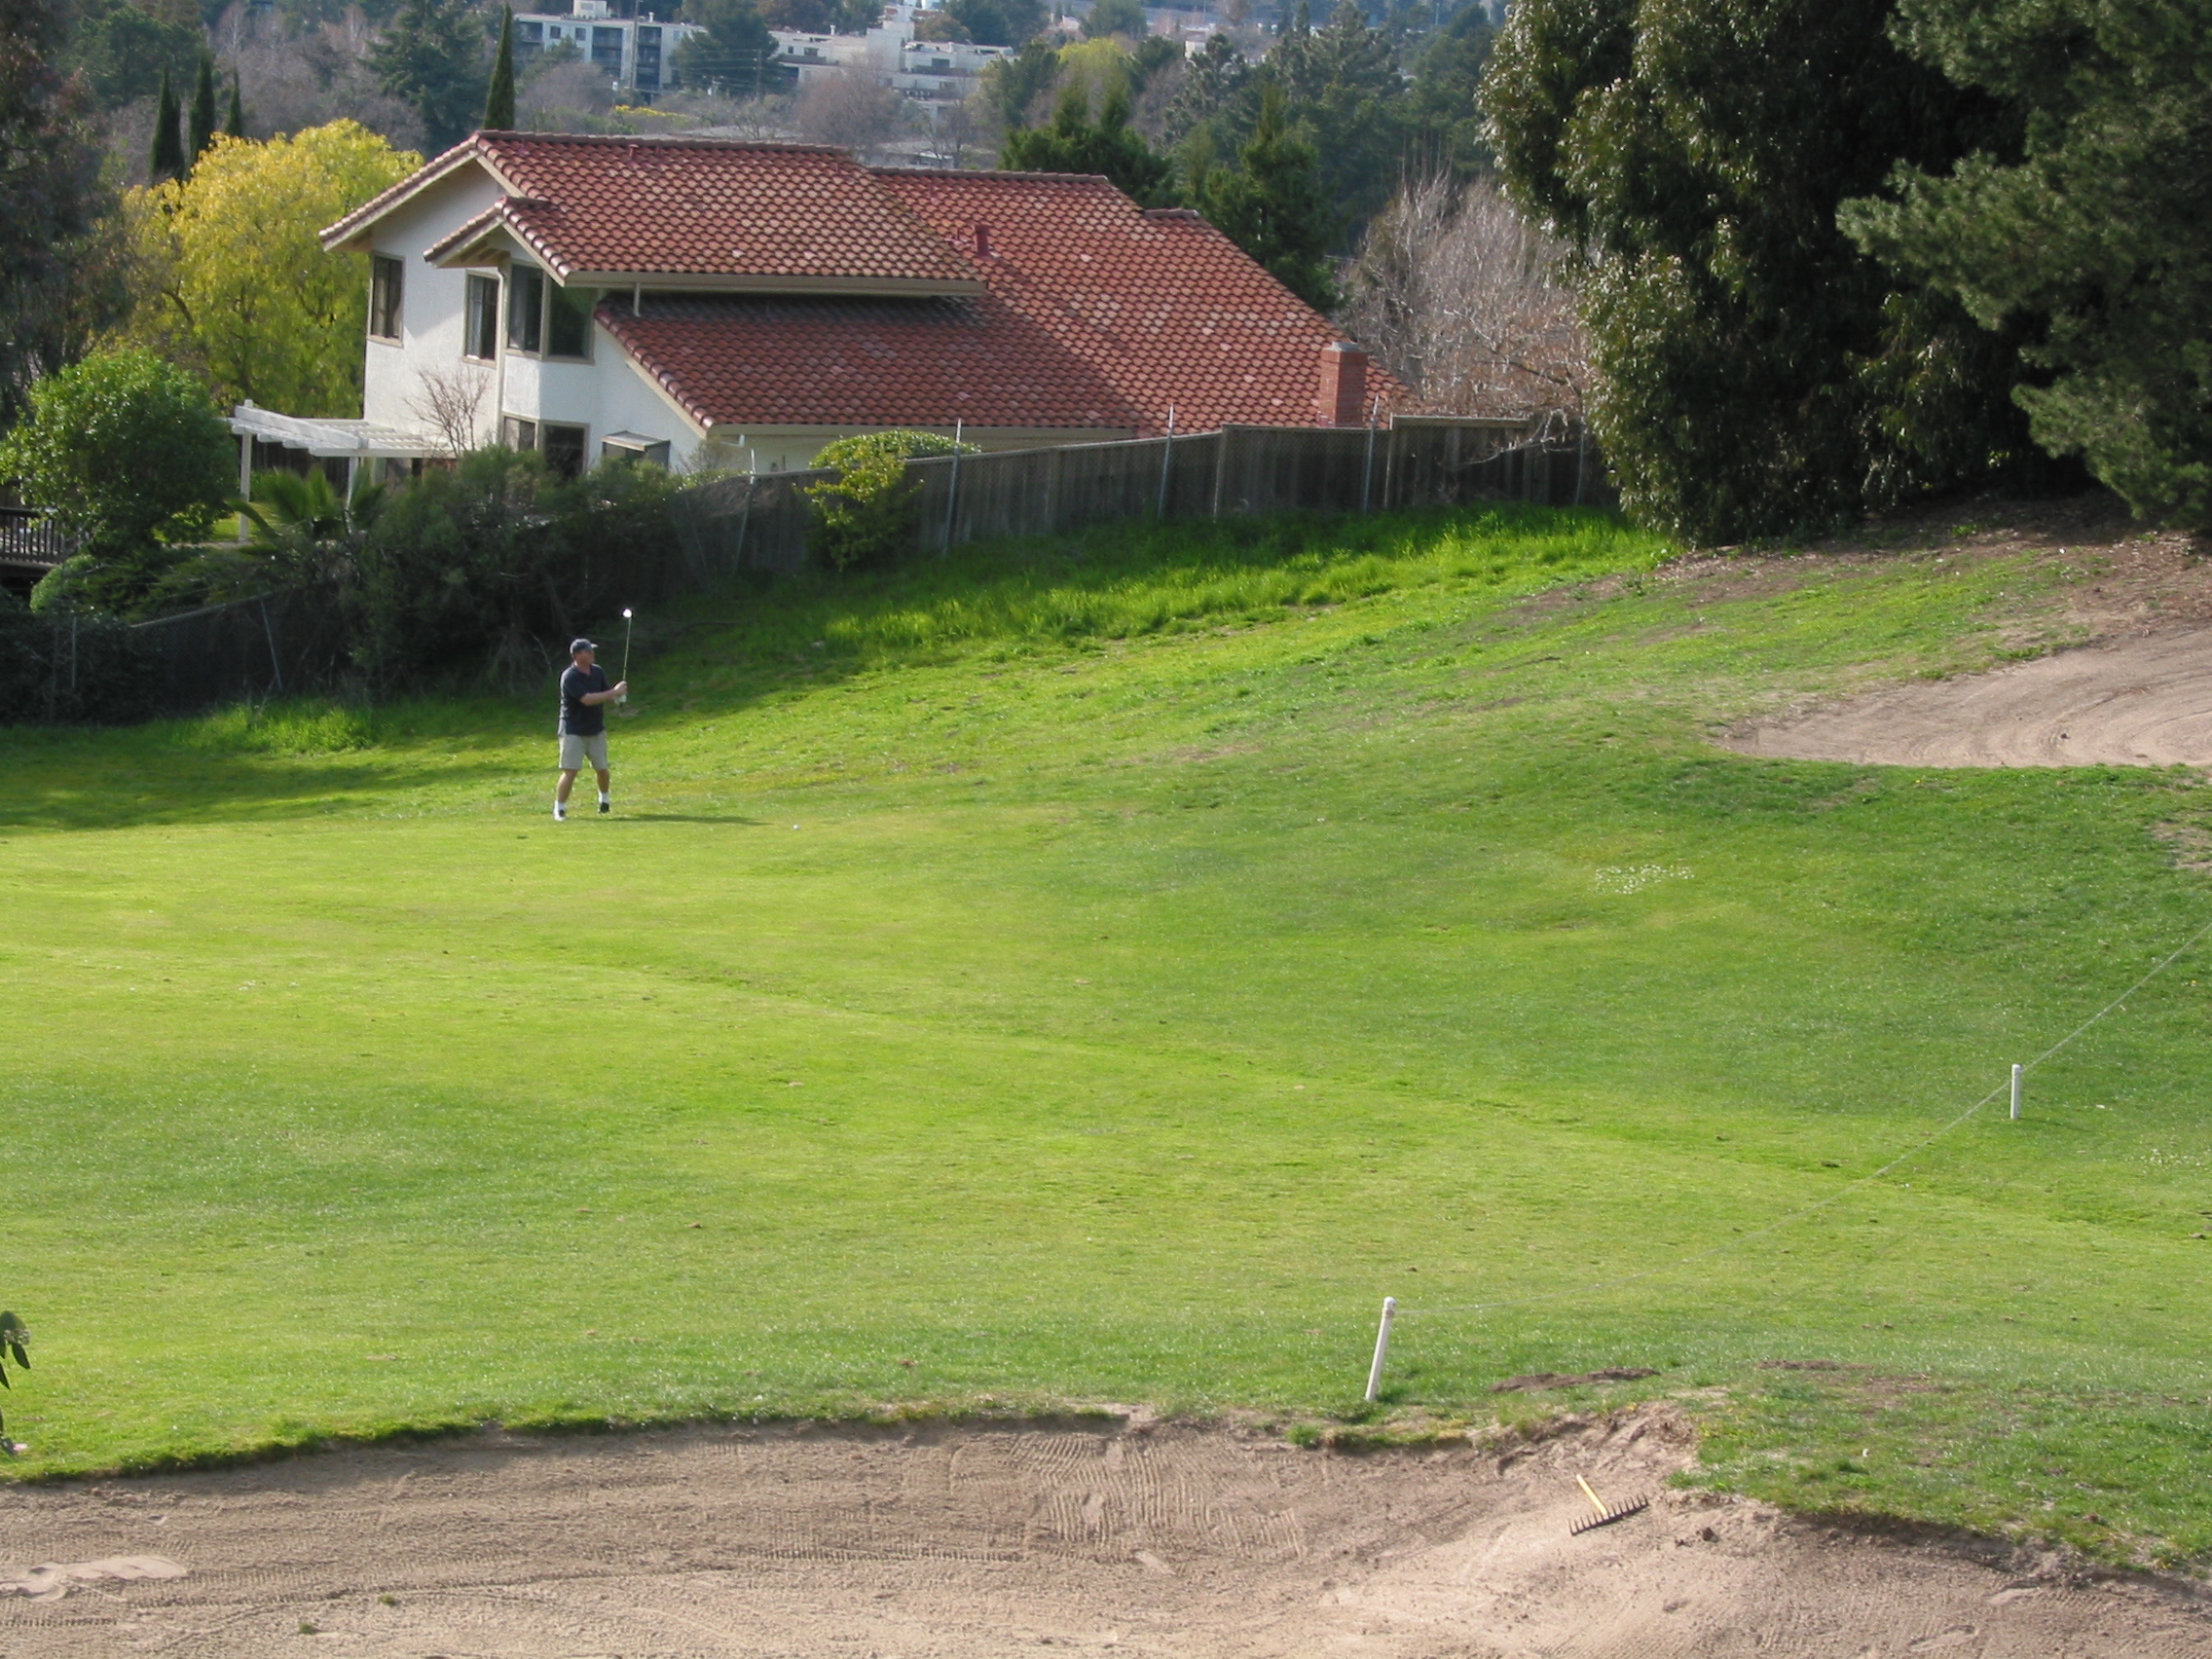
1341 397
982 241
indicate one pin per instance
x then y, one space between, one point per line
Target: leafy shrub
484 571
130 452
866 514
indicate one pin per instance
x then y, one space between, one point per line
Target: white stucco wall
431 305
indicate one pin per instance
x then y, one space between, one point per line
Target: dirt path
980 1542
2145 700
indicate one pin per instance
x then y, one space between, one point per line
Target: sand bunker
2142 701
975 1541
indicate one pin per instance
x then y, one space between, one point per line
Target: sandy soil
2138 694
973 1541
2144 700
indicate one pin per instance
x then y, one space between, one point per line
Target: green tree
51 200
733 54
167 160
234 123
500 102
1345 91
233 280
998 22
2094 230
1015 85
431 59
1208 103
1445 127
202 126
1115 17
1757 373
123 52
1072 143
129 451
1272 208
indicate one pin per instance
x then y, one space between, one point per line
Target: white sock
602 794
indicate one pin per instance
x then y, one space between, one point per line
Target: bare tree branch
449 403
1471 306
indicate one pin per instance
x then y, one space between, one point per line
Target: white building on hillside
637 53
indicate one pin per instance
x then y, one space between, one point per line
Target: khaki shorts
577 752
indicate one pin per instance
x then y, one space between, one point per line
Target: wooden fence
759 523
294 641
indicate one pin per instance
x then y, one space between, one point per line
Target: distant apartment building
931 71
636 54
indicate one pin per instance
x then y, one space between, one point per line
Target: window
526 305
543 315
631 446
481 327
568 322
564 447
385 272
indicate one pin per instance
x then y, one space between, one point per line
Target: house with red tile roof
717 303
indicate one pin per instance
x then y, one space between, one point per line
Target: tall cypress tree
499 105
234 124
202 130
168 161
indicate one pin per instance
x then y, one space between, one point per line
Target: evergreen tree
1209 98
1014 86
234 123
168 159
1072 144
500 103
1274 208
1757 373
1343 82
1444 125
2094 232
49 200
734 52
202 127
431 58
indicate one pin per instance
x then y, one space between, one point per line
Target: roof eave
353 230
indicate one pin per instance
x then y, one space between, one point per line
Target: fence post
1220 464
1581 456
1167 456
951 491
744 522
1367 469
276 664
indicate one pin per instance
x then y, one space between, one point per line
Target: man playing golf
584 723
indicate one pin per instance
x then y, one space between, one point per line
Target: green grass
1102 970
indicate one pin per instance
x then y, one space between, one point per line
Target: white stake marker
2015 1095
1381 1346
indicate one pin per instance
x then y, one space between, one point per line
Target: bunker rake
1607 1513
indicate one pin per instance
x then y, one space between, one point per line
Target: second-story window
480 324
567 324
526 308
385 272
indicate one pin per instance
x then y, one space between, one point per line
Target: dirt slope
2138 701
980 1542
2138 694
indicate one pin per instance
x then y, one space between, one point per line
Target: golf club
627 626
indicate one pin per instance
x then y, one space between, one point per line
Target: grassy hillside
1102 970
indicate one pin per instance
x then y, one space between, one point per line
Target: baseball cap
576 645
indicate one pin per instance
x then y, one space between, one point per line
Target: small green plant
867 513
14 1343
